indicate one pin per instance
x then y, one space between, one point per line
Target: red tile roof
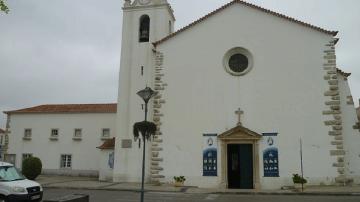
108 144
2 131
333 33
68 108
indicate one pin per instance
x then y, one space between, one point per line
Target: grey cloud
66 51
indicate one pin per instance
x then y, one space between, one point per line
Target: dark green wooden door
240 166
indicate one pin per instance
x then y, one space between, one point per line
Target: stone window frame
103 136
66 161
234 51
27 133
53 134
76 135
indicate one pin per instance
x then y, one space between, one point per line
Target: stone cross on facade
239 113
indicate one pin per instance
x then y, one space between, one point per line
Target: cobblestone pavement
126 196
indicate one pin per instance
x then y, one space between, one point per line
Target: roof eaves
66 108
333 33
341 72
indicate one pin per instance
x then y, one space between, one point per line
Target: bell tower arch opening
144 29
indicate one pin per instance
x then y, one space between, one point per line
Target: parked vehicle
15 187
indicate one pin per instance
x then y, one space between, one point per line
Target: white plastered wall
351 136
283 93
85 155
133 56
105 172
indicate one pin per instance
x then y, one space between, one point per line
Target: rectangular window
77 132
65 161
25 156
54 132
10 158
105 133
27 133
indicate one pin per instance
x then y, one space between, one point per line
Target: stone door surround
239 135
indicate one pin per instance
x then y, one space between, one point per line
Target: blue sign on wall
111 160
210 155
210 162
271 162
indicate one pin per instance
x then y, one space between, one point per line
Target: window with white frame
54 132
65 161
27 133
77 132
25 156
105 133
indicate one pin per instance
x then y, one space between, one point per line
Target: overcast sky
68 51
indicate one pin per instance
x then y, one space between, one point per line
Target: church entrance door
240 166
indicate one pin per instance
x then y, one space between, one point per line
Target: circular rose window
238 61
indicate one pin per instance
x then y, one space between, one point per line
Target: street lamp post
146 94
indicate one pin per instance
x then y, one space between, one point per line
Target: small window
27 133
25 156
144 30
54 132
78 133
65 161
105 133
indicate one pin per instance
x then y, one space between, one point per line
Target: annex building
236 91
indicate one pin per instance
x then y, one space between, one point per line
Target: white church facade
236 92
280 72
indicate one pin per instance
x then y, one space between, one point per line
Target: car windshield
10 173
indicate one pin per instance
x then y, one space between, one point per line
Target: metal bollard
70 198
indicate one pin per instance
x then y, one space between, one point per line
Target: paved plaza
128 196
85 183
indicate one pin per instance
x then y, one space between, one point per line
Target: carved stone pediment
240 133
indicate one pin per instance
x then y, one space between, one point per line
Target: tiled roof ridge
333 33
68 108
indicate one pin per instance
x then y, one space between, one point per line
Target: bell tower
144 22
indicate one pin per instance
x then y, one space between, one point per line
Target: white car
15 187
